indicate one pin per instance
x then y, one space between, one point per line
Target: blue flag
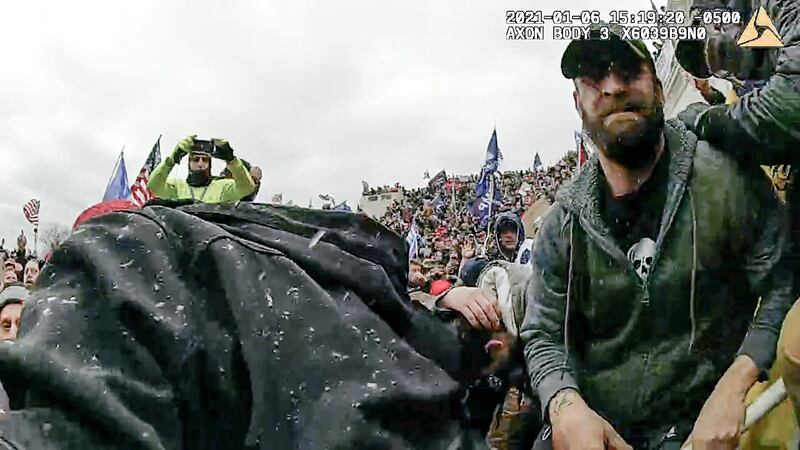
483 198
118 187
490 165
438 181
413 239
481 207
537 163
493 154
439 202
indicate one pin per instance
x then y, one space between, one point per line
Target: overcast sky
319 94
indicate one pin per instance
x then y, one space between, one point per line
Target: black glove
691 113
223 150
183 147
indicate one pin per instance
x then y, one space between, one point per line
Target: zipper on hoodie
645 319
646 297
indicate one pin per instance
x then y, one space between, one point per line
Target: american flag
139 192
31 211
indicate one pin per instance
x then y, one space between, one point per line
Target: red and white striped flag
31 211
580 144
139 192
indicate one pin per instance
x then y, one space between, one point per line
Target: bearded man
199 185
641 326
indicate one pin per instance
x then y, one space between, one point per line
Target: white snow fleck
315 240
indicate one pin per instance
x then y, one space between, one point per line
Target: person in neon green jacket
199 184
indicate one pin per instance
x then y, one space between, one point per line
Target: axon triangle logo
760 32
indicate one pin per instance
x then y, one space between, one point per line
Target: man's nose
612 85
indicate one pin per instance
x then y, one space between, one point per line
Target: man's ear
576 98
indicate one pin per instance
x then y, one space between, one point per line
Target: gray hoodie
648 353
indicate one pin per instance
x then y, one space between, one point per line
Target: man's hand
704 87
722 417
467 250
478 307
184 146
577 427
223 149
417 279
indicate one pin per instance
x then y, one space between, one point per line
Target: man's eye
6 325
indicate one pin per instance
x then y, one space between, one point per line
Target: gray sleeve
762 126
542 330
767 275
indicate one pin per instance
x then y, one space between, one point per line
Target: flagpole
489 222
36 231
453 202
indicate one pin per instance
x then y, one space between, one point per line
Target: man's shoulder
707 156
720 168
718 175
554 225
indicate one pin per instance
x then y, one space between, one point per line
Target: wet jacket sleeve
767 275
765 119
243 184
542 329
158 180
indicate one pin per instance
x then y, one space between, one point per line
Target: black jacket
223 327
763 126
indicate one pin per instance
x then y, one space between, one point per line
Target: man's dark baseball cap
581 53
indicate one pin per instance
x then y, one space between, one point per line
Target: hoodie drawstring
569 290
694 271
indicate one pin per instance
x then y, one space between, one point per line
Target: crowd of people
367 190
658 299
20 273
450 234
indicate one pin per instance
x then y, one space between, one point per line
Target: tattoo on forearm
560 402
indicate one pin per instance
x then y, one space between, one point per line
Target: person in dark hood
657 291
508 235
199 184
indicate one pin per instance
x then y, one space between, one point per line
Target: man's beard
637 146
198 178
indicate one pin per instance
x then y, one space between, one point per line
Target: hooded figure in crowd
199 184
509 233
509 237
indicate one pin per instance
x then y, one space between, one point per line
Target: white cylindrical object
768 399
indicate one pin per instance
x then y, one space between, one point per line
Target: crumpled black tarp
222 327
